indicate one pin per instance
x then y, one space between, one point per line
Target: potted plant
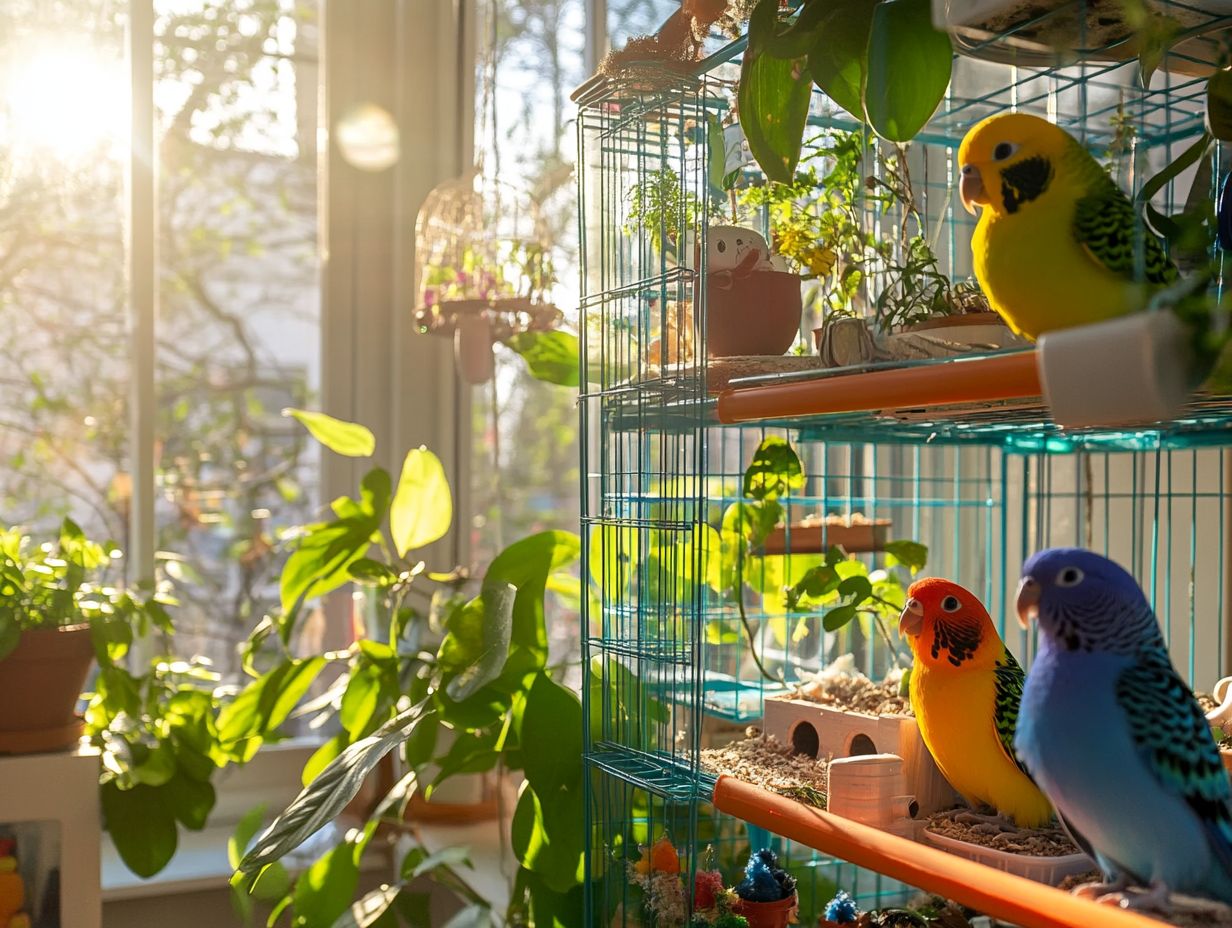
480 699
57 605
767 894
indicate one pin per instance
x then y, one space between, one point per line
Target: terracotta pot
472 344
753 314
40 683
768 914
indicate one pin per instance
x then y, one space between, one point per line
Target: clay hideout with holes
830 734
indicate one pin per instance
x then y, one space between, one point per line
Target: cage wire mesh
679 657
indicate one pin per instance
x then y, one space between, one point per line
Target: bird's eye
722 246
1004 150
1070 576
951 604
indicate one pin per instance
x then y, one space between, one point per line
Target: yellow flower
819 261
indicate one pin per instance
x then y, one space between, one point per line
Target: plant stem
744 620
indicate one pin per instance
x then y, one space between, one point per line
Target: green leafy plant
482 698
820 222
665 211
841 586
154 721
66 582
880 60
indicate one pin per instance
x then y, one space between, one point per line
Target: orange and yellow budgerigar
1057 243
965 689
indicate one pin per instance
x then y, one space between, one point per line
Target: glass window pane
63 333
238 330
525 457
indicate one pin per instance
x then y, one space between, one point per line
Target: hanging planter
484 276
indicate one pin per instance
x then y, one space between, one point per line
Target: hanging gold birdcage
484 268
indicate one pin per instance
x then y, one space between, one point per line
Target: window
243 293
239 320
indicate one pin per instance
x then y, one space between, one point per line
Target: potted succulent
767 894
56 607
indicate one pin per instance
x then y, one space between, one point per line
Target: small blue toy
764 880
842 909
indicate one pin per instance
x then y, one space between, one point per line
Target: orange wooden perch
974 380
1001 895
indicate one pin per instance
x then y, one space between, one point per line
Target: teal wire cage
684 636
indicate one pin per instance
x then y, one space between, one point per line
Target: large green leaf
613 558
909 63
774 100
547 838
368 909
142 826
911 554
326 796
551 356
339 436
264 704
360 700
838 59
774 471
322 558
324 891
423 507
526 564
550 734
477 644
190 800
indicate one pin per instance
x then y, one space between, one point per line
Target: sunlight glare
64 99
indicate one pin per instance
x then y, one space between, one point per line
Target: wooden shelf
1000 895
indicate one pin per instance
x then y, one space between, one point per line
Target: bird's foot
1098 890
1156 898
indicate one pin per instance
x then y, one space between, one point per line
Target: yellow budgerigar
1057 243
965 689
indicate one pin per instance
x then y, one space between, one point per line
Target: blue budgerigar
1114 737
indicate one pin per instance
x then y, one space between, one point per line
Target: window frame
375 368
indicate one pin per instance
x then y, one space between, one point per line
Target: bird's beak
912 619
1028 600
971 189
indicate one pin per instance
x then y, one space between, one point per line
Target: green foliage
345 438
66 582
774 471
909 63
881 60
838 55
774 97
664 210
155 726
482 698
422 507
551 356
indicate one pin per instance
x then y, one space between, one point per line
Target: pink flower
429 296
